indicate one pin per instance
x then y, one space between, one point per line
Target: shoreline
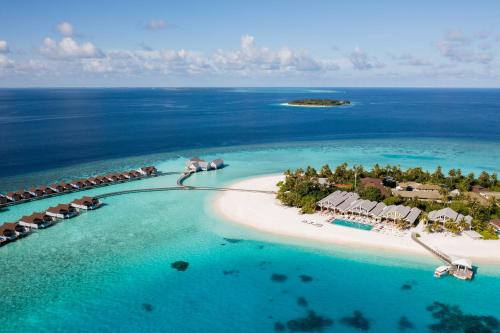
263 213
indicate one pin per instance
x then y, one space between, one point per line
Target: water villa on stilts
41 192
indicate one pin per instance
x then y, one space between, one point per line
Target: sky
250 43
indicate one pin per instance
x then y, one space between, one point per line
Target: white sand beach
264 213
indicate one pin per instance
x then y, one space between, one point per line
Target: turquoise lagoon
109 270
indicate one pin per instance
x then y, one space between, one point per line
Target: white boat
441 270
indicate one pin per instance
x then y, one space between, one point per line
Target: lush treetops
302 188
319 102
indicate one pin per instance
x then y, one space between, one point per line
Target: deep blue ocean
42 129
110 270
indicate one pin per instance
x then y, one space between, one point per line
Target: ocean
110 270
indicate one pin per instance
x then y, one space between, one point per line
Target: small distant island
319 102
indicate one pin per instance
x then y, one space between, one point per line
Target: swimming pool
352 224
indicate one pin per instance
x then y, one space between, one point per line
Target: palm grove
302 188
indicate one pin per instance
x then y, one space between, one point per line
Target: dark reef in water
406 286
278 277
147 307
405 324
301 301
305 278
231 272
180 265
279 327
356 321
233 240
451 319
310 323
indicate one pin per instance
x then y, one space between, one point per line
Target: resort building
447 214
62 211
196 164
86 203
349 203
37 220
496 224
420 191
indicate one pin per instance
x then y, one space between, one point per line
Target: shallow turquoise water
104 270
351 224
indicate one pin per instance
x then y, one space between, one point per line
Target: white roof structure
473 234
462 262
442 215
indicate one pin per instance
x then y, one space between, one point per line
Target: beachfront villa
86 203
62 211
196 164
349 203
37 220
441 216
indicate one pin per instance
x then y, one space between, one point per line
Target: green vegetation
302 189
319 102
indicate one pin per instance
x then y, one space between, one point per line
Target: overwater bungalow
20 230
95 181
112 178
14 196
78 184
447 214
46 190
217 164
4 200
66 187
103 179
62 211
36 192
149 170
86 203
87 182
37 220
7 233
57 188
25 195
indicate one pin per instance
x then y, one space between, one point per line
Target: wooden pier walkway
444 257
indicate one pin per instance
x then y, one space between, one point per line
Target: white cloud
251 59
65 29
68 48
410 60
5 62
457 47
4 47
361 61
155 25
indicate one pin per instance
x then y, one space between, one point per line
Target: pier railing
435 252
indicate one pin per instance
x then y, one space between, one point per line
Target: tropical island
318 102
384 209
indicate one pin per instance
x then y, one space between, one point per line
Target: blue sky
251 43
